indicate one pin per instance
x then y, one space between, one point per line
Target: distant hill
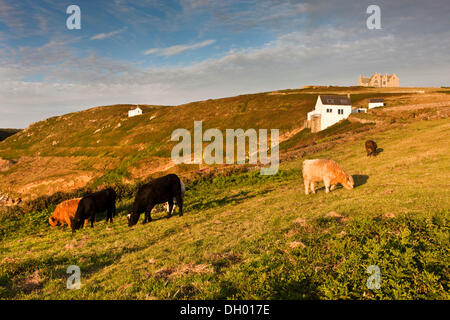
102 145
5 133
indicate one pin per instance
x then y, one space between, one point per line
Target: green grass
246 236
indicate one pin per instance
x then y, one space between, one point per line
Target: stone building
379 81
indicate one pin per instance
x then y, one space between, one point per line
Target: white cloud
326 56
102 36
173 50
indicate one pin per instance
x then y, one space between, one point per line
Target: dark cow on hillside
371 148
160 190
90 205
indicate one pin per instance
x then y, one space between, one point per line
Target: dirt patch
5 164
190 268
338 217
389 215
9 260
301 222
125 286
31 283
296 244
222 260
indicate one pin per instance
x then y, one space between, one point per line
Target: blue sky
173 52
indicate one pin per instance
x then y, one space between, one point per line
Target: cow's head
348 182
53 222
132 219
76 223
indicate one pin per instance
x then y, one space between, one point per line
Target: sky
177 51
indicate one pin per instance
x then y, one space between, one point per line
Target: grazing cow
325 170
183 191
160 190
64 213
371 148
92 204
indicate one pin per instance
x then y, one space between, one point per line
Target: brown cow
64 212
371 148
325 170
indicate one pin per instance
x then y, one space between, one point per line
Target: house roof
376 100
335 100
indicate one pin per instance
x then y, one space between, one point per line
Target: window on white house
329 110
340 111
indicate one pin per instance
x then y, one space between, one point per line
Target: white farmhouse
134 112
329 110
375 103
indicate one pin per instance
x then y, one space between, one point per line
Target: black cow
158 191
371 148
90 205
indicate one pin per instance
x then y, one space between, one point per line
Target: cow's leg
145 217
109 213
148 214
92 220
312 187
326 182
169 213
174 205
306 182
180 204
332 187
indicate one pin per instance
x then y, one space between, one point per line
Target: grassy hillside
102 145
254 237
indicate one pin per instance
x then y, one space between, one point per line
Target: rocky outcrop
6 200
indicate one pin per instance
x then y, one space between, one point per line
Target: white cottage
134 112
375 103
329 110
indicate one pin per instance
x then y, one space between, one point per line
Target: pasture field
245 236
102 145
